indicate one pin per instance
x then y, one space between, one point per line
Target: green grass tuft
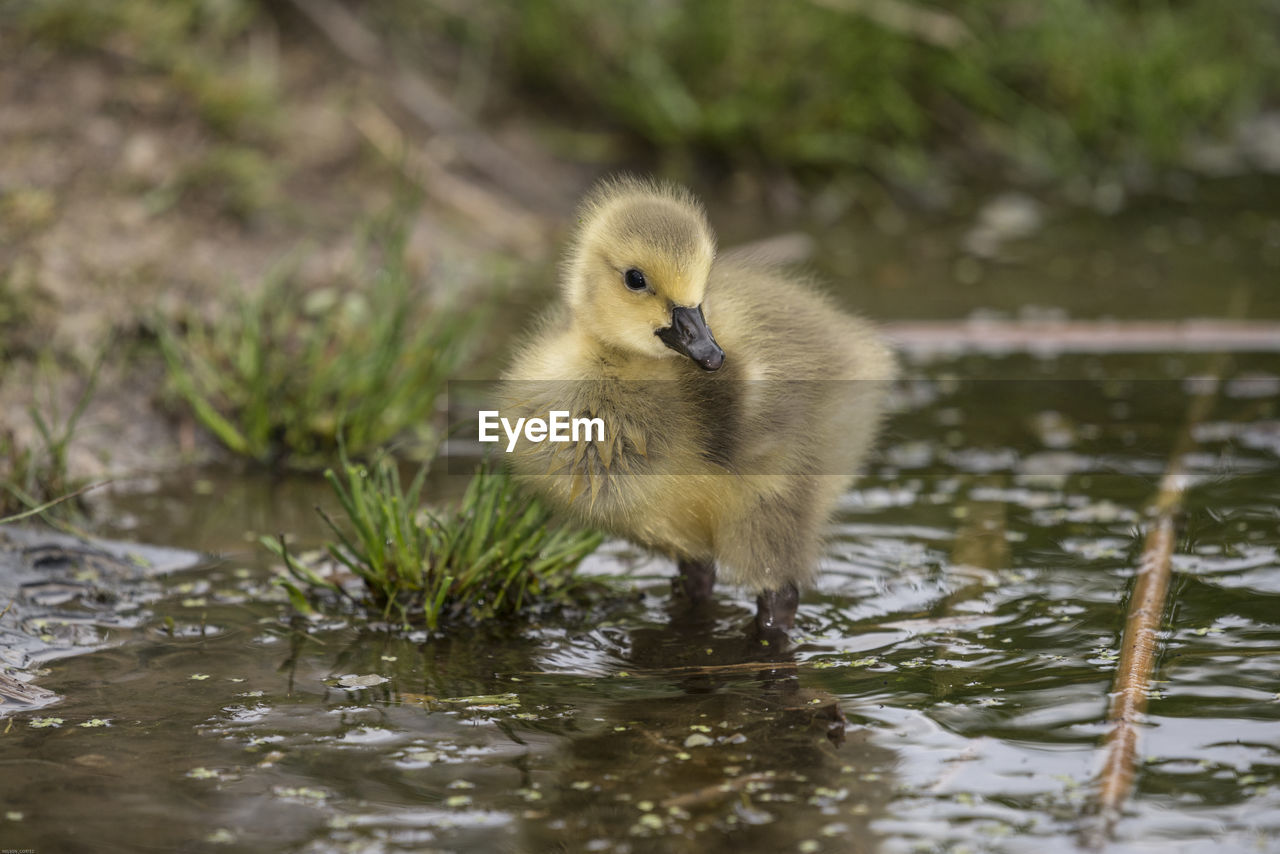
36 480
284 371
495 554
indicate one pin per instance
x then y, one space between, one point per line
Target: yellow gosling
736 403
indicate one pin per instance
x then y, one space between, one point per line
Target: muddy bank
123 208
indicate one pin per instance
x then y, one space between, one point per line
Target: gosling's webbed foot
776 609
695 580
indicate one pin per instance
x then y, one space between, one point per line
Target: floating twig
1137 659
718 791
1140 642
925 339
688 669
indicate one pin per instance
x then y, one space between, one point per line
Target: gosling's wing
807 370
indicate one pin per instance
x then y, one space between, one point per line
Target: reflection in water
719 742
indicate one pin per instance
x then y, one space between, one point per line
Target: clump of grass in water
495 554
276 378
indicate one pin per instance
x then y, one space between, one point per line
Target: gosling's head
636 271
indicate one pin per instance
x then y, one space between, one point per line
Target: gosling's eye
634 280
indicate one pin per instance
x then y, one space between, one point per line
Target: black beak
688 334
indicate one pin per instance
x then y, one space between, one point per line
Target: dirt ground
117 207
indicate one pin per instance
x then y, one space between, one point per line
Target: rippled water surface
946 689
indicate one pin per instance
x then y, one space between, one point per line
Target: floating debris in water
355 683
484 701
305 793
15 693
649 823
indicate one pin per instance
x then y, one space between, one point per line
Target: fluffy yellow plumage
737 402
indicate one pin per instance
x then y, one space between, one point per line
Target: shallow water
966 626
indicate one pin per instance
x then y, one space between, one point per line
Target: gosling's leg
776 609
695 579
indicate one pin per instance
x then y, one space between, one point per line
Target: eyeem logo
557 427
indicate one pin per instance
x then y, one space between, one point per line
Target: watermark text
556 427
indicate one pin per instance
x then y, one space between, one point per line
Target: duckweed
304 793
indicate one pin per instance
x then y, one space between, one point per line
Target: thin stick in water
1137 657
1140 643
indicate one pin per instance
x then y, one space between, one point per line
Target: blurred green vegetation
218 60
237 180
899 88
203 47
286 370
1054 87
495 554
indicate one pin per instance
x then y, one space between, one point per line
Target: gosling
737 403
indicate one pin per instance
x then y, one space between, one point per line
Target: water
946 690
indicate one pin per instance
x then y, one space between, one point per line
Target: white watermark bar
930 426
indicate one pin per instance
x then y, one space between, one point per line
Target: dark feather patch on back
717 401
